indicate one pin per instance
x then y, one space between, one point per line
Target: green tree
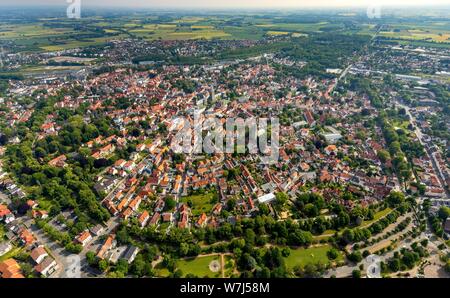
91 258
281 198
170 203
444 213
332 254
356 273
395 198
102 265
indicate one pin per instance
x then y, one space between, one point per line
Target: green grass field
426 33
199 266
53 34
312 255
292 27
329 233
418 35
376 217
200 203
13 252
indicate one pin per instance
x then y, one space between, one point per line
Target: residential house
97 230
10 269
38 254
46 267
83 238
26 237
202 221
130 254
143 218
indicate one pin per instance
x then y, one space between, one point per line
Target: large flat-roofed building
266 198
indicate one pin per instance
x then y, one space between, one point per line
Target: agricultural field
17 32
418 34
56 34
276 33
41 37
438 32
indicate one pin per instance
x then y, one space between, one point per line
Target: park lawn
325 235
199 266
312 255
200 203
376 217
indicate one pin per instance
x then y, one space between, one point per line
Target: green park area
376 217
313 255
200 266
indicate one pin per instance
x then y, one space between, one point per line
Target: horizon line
198 7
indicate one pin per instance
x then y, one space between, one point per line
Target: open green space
199 266
376 217
312 255
13 252
199 203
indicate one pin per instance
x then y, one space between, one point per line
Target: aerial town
91 186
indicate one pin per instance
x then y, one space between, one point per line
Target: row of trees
406 259
393 140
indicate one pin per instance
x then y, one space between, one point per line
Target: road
68 263
94 245
61 256
346 271
432 248
388 229
419 134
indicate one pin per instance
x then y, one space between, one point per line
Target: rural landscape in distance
194 140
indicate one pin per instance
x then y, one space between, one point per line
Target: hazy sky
229 3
